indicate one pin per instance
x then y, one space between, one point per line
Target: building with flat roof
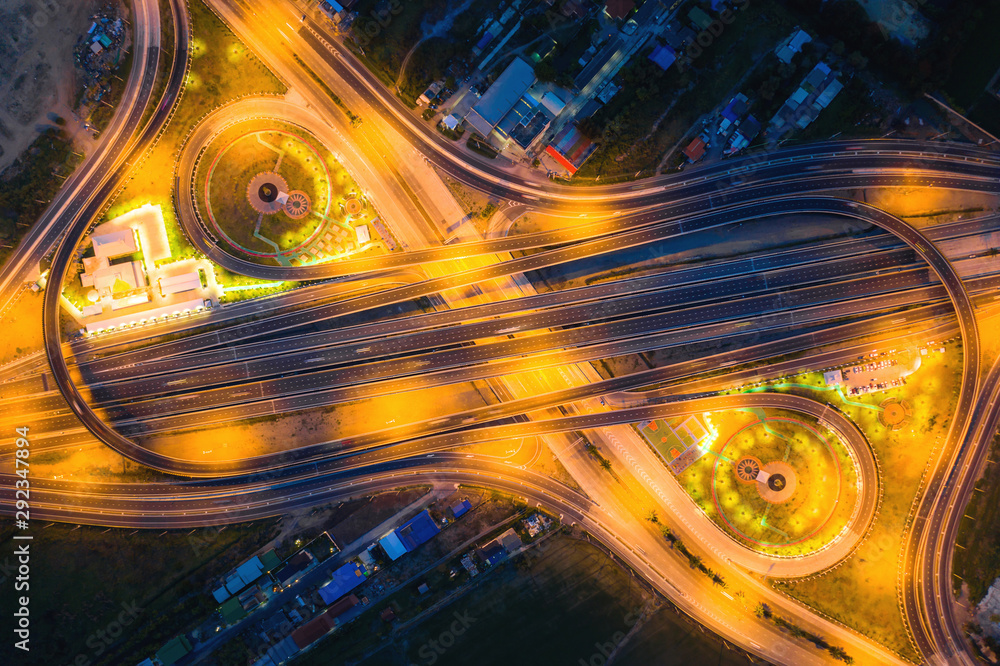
113 278
145 315
114 244
176 284
501 97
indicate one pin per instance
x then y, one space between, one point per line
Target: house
736 108
698 16
342 606
509 540
298 563
792 45
419 529
492 553
459 509
618 9
411 534
815 93
664 56
696 149
313 630
269 560
429 94
742 137
173 651
345 579
232 611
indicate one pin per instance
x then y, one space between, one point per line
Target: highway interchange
904 280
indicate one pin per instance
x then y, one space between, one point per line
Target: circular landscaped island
776 483
273 193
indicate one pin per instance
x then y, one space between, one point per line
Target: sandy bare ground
36 46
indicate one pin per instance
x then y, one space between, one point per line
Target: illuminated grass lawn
871 573
212 81
302 164
814 502
245 176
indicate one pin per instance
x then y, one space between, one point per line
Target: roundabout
776 484
273 193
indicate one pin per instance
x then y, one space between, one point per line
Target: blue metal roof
461 508
345 579
664 56
393 547
419 529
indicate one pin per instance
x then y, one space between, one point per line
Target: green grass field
815 512
212 81
250 148
871 572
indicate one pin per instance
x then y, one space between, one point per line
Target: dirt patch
40 82
22 324
345 521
